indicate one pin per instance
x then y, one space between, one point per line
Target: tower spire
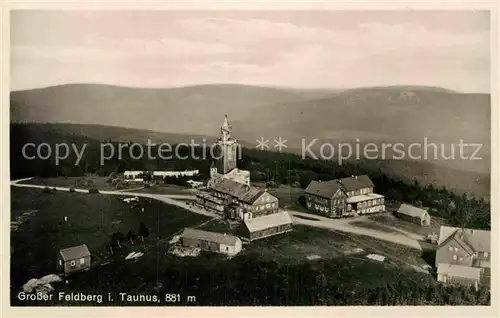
226 125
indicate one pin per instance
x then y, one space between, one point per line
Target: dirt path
342 225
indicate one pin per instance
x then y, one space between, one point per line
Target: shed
211 241
74 259
413 214
268 225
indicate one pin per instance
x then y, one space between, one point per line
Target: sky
303 49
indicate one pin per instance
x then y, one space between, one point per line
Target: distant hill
380 115
185 110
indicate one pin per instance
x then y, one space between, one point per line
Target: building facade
463 256
344 197
73 259
266 226
239 201
211 241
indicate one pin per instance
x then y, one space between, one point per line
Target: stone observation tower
226 149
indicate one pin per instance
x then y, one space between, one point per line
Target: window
461 258
82 260
450 248
268 206
60 262
72 263
455 257
485 254
227 248
456 249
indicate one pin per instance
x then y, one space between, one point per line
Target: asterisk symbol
262 144
280 143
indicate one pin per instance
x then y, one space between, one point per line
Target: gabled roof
324 189
478 240
411 210
355 183
457 237
74 252
267 221
242 192
210 236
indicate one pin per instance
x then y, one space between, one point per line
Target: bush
93 190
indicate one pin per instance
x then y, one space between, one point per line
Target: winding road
398 236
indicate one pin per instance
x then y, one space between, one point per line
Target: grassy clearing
391 220
294 247
91 219
165 189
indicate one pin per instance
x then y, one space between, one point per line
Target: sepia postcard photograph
186 158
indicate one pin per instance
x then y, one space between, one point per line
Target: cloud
143 49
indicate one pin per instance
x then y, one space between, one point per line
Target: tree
143 231
117 238
131 236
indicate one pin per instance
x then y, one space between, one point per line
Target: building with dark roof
413 214
463 256
242 201
211 241
73 259
230 194
344 197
